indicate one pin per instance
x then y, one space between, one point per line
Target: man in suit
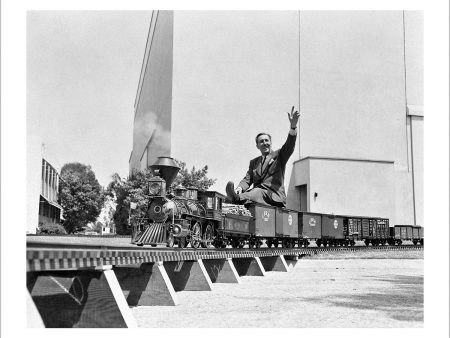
264 181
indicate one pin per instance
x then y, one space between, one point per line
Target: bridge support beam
82 298
291 261
274 263
249 266
188 275
221 270
146 284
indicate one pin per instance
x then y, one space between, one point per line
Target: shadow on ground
402 301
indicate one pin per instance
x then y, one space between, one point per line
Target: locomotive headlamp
157 186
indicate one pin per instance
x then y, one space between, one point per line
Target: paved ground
373 290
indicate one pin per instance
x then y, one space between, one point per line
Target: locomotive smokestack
167 167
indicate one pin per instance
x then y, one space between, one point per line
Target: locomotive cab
213 202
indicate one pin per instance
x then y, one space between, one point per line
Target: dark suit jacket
270 175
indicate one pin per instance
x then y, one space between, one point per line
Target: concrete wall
153 107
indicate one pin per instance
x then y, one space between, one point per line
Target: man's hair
256 138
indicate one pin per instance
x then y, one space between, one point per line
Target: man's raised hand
293 117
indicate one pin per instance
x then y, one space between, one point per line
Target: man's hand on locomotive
246 191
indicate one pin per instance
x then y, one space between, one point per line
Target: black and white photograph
225 168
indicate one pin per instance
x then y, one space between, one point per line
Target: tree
134 190
81 196
193 178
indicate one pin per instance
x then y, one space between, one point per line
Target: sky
82 75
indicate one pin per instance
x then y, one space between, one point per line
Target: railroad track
55 256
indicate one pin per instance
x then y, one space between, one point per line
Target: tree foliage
51 229
134 189
81 196
193 178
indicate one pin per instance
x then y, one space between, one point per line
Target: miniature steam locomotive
202 219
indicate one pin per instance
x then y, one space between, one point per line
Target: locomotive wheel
207 236
196 232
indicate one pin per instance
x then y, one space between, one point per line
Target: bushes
51 229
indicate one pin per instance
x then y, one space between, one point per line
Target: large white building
357 76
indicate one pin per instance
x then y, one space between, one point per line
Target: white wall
349 187
352 85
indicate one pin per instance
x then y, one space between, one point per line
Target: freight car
187 216
400 233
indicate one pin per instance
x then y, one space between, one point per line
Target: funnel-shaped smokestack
167 167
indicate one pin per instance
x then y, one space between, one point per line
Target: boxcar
380 231
286 226
332 230
262 224
402 233
309 227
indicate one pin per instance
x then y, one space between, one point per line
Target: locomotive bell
167 168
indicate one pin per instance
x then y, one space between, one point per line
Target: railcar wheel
318 243
367 242
207 236
241 243
195 237
269 243
257 244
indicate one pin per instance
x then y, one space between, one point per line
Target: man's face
264 144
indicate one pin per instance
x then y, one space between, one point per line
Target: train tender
187 216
